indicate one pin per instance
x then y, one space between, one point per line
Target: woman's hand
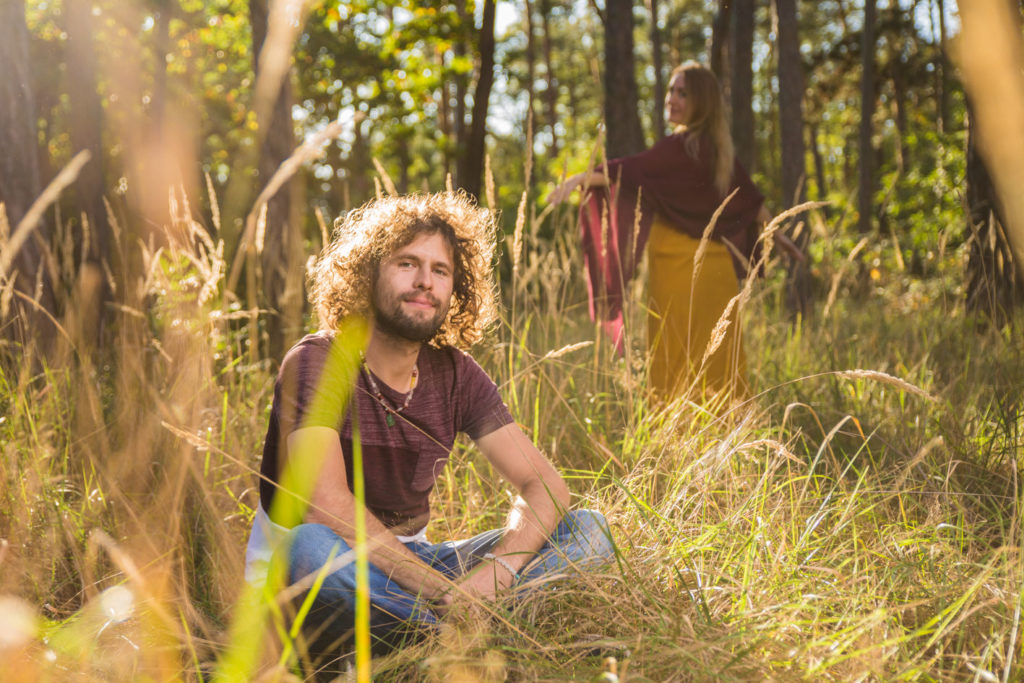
591 179
789 248
562 192
792 251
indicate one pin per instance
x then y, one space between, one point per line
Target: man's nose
424 278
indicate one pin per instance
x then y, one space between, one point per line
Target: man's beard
389 318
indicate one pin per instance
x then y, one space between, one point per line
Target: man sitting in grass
418 268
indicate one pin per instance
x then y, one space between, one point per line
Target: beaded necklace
389 410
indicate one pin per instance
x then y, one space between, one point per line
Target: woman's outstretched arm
782 239
585 179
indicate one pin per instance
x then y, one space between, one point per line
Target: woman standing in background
677 185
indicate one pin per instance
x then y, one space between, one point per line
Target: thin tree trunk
625 134
551 88
791 92
659 71
866 155
531 80
471 167
719 57
161 44
742 81
87 134
819 163
460 48
943 70
791 126
444 113
278 144
992 52
992 284
900 103
19 184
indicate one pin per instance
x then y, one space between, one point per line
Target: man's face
414 289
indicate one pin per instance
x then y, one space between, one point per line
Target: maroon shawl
677 187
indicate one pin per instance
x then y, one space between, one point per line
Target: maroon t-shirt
402 461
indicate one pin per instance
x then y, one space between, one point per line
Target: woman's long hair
706 118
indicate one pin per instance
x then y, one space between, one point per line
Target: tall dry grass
857 519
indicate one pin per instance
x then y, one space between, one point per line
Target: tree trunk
551 88
278 144
460 48
444 112
993 287
659 71
162 46
791 126
866 153
791 91
741 81
531 122
819 163
19 182
943 70
720 58
471 164
87 134
899 96
625 134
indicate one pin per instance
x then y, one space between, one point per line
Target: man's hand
441 604
487 580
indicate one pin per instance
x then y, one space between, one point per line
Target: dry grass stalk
5 225
528 169
737 302
566 350
834 289
33 216
261 229
637 215
389 185
214 205
6 296
721 328
605 232
885 378
702 247
488 183
310 149
325 234
517 236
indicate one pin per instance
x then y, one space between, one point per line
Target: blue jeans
581 540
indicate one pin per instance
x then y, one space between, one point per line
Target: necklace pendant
389 418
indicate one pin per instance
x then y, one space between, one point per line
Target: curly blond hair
345 274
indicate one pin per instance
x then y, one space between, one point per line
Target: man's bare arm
334 506
543 500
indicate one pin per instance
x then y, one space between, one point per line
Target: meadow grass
857 519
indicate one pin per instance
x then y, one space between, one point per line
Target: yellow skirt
684 311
